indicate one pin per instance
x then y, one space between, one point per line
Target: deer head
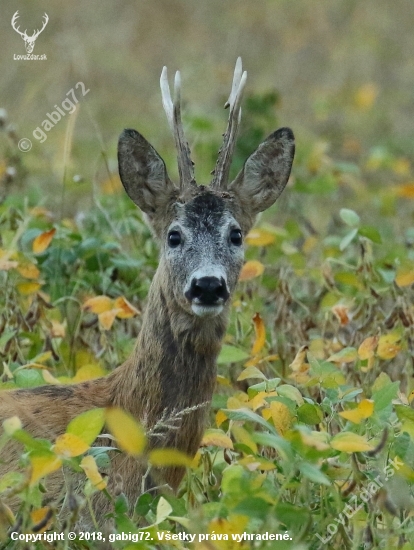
29 41
202 228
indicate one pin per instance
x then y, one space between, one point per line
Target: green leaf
121 504
274 442
267 386
143 505
383 397
231 354
5 337
87 425
349 237
370 233
314 474
290 392
350 217
252 507
292 516
28 378
9 480
309 414
247 414
404 413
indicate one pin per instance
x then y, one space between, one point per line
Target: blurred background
341 74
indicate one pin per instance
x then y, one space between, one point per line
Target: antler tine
173 111
13 22
222 168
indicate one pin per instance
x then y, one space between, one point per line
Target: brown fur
168 381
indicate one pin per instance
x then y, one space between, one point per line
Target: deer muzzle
207 294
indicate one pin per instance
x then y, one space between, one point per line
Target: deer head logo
29 41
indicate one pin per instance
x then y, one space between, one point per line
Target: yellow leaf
406 191
233 525
42 241
341 313
318 440
12 424
366 95
7 517
68 445
125 309
6 265
98 304
58 330
112 185
40 516
309 244
254 463
260 332
250 270
282 419
49 378
364 410
401 166
387 345
346 355
28 288
349 442
89 372
88 425
367 348
196 460
244 437
220 418
169 457
299 359
217 438
251 372
41 212
129 434
90 468
107 318
237 402
404 277
317 348
223 380
260 237
43 463
28 270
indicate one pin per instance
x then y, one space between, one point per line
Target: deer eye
174 239
236 237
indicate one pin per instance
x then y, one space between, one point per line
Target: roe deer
172 370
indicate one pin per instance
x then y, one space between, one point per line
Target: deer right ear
143 173
266 172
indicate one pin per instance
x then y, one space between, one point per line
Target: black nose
208 291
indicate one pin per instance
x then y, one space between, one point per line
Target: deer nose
208 291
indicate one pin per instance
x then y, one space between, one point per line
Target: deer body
171 373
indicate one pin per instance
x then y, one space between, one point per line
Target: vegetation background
314 393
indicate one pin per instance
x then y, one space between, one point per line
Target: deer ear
266 172
143 173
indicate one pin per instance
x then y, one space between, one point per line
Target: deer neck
173 366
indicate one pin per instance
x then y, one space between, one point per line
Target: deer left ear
266 172
143 174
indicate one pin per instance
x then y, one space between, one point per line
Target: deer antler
222 168
45 22
173 112
13 23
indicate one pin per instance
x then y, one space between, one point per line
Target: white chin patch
206 311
